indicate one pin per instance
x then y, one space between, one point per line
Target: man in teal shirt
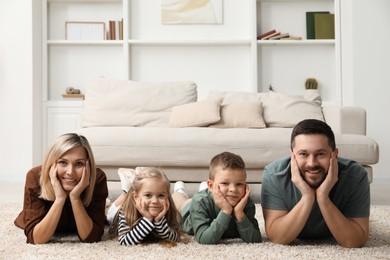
315 194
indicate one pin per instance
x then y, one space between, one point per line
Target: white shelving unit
227 56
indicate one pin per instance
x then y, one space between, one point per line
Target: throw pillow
281 110
241 115
202 113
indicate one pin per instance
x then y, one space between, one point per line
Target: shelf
296 42
80 43
84 1
191 42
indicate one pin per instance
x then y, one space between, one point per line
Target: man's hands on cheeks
57 187
298 181
331 178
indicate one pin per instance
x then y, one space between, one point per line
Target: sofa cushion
201 113
281 110
246 114
111 102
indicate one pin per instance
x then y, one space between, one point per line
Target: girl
148 213
65 194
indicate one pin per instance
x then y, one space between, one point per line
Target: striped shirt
135 235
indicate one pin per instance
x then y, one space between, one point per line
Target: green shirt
351 194
204 219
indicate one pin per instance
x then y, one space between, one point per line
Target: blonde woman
65 194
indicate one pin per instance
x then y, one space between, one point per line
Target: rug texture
13 245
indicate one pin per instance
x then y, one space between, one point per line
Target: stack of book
115 30
319 25
276 35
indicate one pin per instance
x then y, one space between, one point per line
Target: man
315 194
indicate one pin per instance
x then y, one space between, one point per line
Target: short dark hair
313 126
226 160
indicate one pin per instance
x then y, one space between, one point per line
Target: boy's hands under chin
221 201
238 210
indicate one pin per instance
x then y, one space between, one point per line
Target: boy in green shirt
222 210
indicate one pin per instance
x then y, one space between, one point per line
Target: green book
324 26
310 34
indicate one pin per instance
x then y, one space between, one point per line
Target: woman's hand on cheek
83 183
56 184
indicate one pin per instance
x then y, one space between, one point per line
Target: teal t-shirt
351 194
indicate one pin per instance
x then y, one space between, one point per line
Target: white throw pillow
281 110
202 113
111 102
246 114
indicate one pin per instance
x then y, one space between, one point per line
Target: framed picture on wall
191 11
92 31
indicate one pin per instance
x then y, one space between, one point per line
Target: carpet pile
13 245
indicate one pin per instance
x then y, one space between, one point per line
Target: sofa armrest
346 120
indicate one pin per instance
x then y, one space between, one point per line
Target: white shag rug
13 245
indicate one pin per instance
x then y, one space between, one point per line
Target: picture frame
82 31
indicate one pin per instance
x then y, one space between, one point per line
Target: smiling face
231 182
313 153
153 194
70 167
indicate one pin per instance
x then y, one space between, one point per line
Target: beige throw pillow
202 113
246 114
281 110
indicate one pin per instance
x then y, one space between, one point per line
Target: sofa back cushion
111 102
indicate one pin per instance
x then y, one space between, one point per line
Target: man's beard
321 171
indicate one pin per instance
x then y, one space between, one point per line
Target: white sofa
130 124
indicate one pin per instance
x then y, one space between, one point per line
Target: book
292 38
278 37
324 26
271 35
259 37
310 27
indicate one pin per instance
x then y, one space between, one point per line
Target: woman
65 194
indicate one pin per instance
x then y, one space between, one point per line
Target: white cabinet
62 117
224 56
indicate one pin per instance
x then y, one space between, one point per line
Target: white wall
369 86
371 71
16 102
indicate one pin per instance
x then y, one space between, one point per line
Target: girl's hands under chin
142 209
56 184
163 211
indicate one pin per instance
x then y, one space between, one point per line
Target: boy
222 210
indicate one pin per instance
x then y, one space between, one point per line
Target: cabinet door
61 121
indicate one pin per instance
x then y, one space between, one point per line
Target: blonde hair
129 208
226 160
62 145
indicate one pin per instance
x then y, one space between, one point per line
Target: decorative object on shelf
72 92
85 30
311 91
191 11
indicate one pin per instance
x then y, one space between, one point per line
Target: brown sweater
35 208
